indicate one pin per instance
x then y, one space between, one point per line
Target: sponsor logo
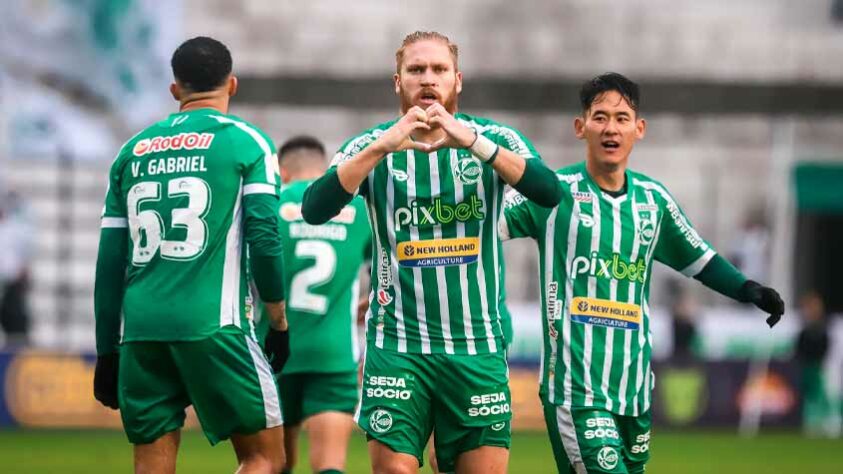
609 268
380 421
513 198
601 428
606 313
440 252
384 298
690 234
643 444
182 141
586 221
554 308
468 170
607 458
582 197
438 212
394 388
495 403
357 146
498 426
399 175
384 269
646 208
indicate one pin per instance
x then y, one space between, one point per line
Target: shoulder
244 133
359 142
512 137
658 189
570 175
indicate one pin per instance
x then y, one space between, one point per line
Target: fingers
441 143
416 114
418 125
773 319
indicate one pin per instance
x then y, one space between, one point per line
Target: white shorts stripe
568 434
271 403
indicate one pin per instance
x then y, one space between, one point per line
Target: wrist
484 149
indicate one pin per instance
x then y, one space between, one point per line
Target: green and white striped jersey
596 254
434 217
178 186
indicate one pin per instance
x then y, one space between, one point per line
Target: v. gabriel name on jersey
438 212
609 268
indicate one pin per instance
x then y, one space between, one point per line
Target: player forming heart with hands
399 137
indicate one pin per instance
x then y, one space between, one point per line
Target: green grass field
69 452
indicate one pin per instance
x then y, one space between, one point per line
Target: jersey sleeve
513 140
351 148
114 211
519 218
365 231
260 164
679 245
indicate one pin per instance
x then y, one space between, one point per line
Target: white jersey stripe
376 260
355 299
549 254
693 269
588 329
258 188
418 288
481 280
570 251
269 161
441 284
230 288
390 224
114 223
459 195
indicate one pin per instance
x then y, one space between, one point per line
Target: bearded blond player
433 181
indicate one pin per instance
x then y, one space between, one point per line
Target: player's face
610 128
428 75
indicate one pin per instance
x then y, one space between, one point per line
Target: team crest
607 458
646 232
380 421
468 170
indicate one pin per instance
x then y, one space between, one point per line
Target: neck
204 101
307 175
607 177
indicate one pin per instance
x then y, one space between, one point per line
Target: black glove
105 379
277 348
765 298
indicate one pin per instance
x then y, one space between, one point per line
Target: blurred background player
433 180
812 345
322 266
17 249
185 197
596 250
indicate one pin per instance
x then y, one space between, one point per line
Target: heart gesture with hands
457 134
399 136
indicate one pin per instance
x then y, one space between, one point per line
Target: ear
397 79
579 127
285 175
459 82
232 85
175 91
640 128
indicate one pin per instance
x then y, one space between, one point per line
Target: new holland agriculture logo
468 171
438 252
605 313
380 421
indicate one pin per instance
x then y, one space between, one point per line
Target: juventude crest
467 170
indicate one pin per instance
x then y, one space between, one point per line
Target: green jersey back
436 255
321 279
178 186
595 258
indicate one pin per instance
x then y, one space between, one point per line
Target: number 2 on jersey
322 270
189 218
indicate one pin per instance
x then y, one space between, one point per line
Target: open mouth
428 97
610 145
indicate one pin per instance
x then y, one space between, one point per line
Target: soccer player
596 252
433 181
322 266
185 196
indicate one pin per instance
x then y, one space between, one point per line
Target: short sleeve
513 140
351 148
519 217
679 245
114 211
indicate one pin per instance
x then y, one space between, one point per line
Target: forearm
324 199
264 239
539 184
722 277
109 285
353 172
510 166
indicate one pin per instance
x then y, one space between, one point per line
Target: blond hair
417 36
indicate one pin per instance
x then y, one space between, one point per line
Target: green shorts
463 399
593 440
225 377
307 393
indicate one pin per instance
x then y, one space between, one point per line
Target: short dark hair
610 81
201 64
301 142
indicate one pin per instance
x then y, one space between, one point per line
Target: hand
105 379
398 136
457 134
765 298
276 346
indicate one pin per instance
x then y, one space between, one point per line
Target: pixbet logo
609 268
438 212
